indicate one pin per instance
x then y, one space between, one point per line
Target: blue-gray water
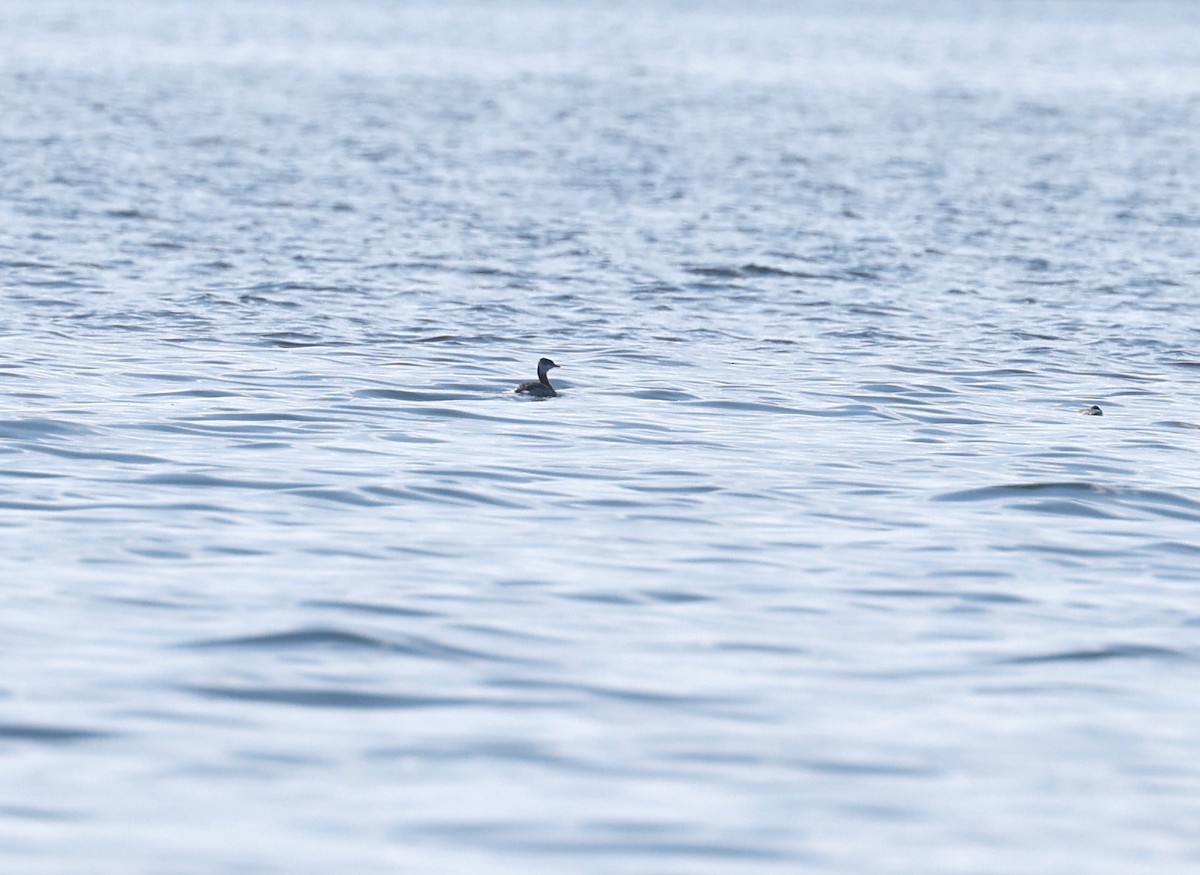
812 567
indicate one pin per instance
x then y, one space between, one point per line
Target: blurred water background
813 566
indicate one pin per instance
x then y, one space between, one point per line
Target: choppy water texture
812 566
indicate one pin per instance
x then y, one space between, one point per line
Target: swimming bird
1092 411
540 388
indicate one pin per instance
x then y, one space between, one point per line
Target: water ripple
366 608
320 637
49 734
1104 654
1081 499
349 699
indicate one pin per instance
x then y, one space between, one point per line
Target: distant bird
540 388
1092 411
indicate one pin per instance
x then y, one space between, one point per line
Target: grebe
540 388
1092 411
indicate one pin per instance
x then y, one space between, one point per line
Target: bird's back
536 388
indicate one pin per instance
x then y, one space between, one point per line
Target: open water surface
813 566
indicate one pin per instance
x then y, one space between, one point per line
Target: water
812 566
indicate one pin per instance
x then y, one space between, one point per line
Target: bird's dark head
544 366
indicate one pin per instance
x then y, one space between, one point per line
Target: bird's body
1094 410
539 388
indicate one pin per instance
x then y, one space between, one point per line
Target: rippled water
812 566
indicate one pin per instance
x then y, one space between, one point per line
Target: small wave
339 699
318 637
448 495
337 496
367 608
130 213
980 597
208 482
697 489
32 429
29 265
31 475
452 413
409 395
266 416
30 812
675 597
49 734
249 431
752 270
191 393
1081 499
604 598
644 597
168 555
846 767
622 694
500 476
504 751
1007 490
660 395
610 840
297 638
1101 654
102 456
1068 508
249 298
748 407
